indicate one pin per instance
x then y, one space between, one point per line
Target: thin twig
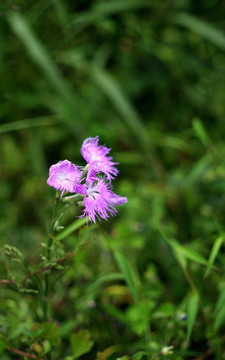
22 353
8 282
47 267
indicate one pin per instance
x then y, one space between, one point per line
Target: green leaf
28 123
105 9
219 318
14 253
188 253
81 343
41 56
198 170
71 228
200 131
192 310
50 331
201 27
27 291
103 279
164 310
114 6
108 84
104 355
127 272
62 15
214 252
221 299
139 355
215 249
138 316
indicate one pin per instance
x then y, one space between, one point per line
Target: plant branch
8 282
47 267
22 353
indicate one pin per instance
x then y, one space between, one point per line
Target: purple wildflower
99 200
64 176
96 156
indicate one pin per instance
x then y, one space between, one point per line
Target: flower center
93 191
62 176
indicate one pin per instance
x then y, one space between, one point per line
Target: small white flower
166 350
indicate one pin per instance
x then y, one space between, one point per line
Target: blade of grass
202 28
36 10
214 252
192 311
40 55
127 272
219 318
188 253
28 123
180 257
103 279
114 6
221 300
198 170
105 9
62 15
71 228
113 91
201 131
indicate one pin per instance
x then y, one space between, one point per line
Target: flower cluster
92 182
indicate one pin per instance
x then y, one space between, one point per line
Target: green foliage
148 78
192 312
127 272
81 343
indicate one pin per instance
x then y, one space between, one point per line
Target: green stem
44 297
75 197
53 229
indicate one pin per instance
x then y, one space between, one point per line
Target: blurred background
147 77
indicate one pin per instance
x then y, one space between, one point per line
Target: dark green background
148 77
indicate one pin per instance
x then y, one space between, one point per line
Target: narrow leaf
215 249
62 15
221 300
140 355
214 252
27 123
40 55
127 272
201 27
198 170
188 253
220 318
104 279
105 9
104 355
192 310
112 89
200 131
71 228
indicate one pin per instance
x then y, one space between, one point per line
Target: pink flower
96 156
99 200
64 176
